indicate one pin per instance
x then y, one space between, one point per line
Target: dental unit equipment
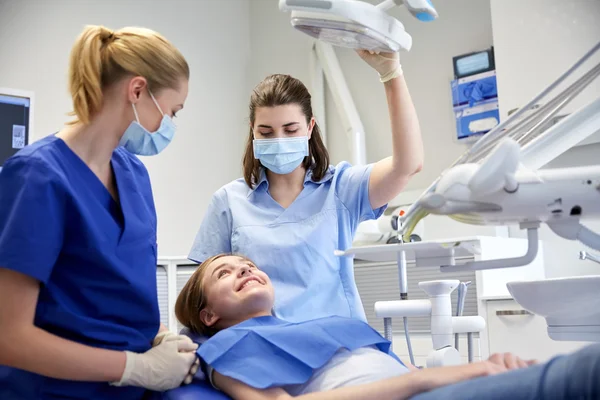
356 24
503 164
443 324
498 182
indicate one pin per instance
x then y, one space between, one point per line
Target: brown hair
101 57
277 90
192 300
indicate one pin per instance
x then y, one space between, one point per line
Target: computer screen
15 122
474 63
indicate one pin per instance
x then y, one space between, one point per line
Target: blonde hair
101 57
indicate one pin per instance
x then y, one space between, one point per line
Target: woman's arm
24 346
390 175
397 388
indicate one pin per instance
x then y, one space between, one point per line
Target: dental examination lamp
356 24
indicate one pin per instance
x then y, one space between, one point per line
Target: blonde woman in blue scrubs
78 305
292 209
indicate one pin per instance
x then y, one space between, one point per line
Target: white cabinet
512 329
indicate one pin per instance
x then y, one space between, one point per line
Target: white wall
277 48
213 36
535 41
538 40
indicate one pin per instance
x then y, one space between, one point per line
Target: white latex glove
161 368
386 64
166 336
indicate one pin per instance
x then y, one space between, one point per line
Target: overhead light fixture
356 24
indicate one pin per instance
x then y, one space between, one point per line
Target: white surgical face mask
138 140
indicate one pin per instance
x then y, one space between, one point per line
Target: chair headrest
196 337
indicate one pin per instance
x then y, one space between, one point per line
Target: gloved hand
162 367
166 336
386 64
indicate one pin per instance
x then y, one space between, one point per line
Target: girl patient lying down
252 355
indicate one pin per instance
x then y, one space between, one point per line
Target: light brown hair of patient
192 299
224 291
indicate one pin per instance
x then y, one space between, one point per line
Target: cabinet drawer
512 329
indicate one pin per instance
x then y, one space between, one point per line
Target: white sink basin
571 306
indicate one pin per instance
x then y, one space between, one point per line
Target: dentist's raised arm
392 174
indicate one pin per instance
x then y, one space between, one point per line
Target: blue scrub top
96 261
295 246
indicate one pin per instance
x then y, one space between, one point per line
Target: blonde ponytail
101 57
85 72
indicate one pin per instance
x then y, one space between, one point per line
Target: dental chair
197 390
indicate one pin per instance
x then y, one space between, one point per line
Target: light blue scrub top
295 246
95 259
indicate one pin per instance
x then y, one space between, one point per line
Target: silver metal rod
502 313
558 103
408 344
460 305
497 131
535 122
458 312
587 256
456 341
387 329
470 346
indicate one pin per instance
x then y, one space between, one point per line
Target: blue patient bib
268 352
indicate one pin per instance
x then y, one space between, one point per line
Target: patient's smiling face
236 290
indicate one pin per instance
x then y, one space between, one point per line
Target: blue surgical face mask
138 140
281 155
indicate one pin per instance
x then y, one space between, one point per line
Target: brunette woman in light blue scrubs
293 209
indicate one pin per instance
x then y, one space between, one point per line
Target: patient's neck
227 323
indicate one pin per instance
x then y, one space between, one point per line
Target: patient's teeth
250 282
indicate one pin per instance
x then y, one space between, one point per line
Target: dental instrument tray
451 255
424 254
